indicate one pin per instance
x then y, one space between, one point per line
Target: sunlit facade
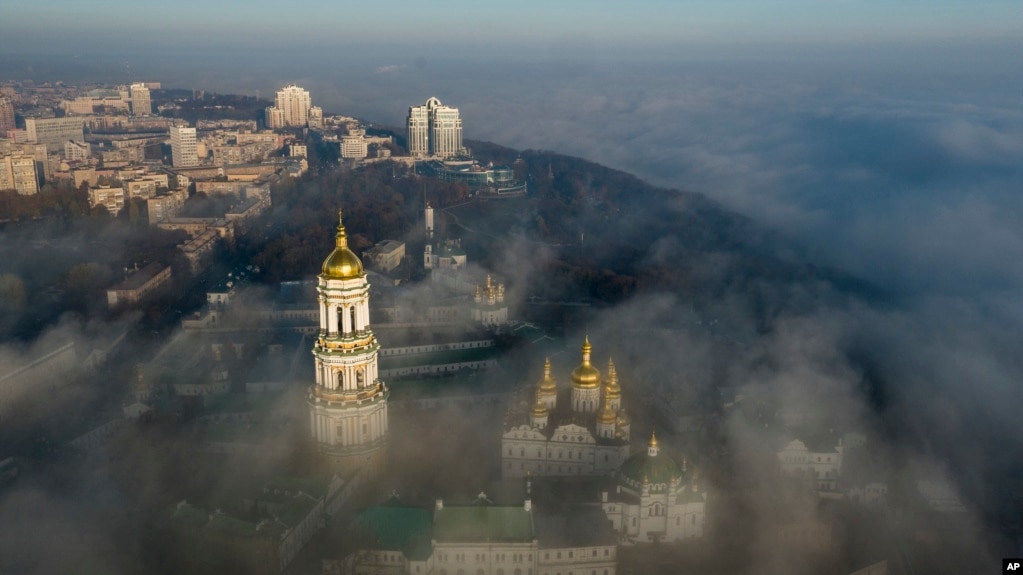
291 108
141 104
184 148
434 130
580 431
348 401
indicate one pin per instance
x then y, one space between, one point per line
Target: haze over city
843 234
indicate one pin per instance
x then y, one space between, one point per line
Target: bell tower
347 402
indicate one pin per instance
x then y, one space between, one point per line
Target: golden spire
342 234
607 415
548 386
342 263
652 449
586 376
614 391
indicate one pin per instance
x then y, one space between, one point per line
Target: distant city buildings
184 152
77 151
354 145
18 172
6 116
434 130
140 102
293 108
54 132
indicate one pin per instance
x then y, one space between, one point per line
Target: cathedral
655 499
348 402
579 431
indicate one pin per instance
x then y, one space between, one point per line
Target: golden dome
586 376
548 386
653 439
614 391
539 409
342 263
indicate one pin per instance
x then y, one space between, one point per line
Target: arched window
353 318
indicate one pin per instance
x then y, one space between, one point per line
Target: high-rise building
291 108
54 132
347 402
18 172
435 130
184 153
140 103
418 131
6 116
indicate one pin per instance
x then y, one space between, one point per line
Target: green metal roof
400 528
482 523
653 468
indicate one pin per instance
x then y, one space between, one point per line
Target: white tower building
347 403
418 131
434 130
291 107
140 101
184 148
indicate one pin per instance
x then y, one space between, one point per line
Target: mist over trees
689 297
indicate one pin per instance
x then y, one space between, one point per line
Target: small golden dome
342 263
586 376
539 409
607 415
548 386
653 439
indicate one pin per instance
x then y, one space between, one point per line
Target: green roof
482 523
439 357
401 528
652 468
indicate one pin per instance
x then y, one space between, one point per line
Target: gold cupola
585 376
548 386
342 263
539 408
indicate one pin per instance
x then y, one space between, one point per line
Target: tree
12 293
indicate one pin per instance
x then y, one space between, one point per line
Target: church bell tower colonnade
348 402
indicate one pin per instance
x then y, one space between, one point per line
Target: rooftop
483 523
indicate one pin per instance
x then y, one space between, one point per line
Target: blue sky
594 25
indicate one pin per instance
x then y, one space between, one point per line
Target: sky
527 25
